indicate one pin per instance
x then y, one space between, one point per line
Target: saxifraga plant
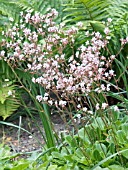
80 82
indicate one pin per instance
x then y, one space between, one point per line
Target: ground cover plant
79 81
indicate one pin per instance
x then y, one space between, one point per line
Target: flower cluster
68 76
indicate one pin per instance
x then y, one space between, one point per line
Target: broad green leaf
52 167
125 154
125 129
22 166
108 158
99 168
121 137
96 155
116 167
57 155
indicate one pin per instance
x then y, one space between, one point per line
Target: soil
21 141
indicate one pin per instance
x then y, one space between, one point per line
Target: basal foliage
92 148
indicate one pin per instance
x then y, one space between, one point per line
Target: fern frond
96 10
8 107
8 103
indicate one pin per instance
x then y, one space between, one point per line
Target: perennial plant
75 80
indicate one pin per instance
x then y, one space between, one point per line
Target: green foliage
12 9
8 96
99 141
96 146
8 103
96 10
35 161
103 144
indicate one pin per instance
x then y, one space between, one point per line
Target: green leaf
108 158
79 153
57 155
8 108
22 166
98 122
8 103
83 135
4 152
112 148
98 26
125 129
125 154
99 168
115 167
121 137
96 155
52 167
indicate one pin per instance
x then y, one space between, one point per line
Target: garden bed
21 141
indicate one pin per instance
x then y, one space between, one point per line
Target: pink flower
109 20
112 57
62 103
85 109
111 72
33 80
103 87
2 53
39 98
65 41
97 106
79 24
11 19
104 105
116 108
106 30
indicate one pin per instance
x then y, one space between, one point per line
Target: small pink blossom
103 87
116 108
85 109
97 106
39 98
11 19
112 57
104 105
106 30
111 72
9 93
109 20
78 106
80 24
62 103
108 87
2 53
50 102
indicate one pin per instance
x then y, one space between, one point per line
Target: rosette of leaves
8 99
100 145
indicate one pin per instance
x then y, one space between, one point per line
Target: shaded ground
21 141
